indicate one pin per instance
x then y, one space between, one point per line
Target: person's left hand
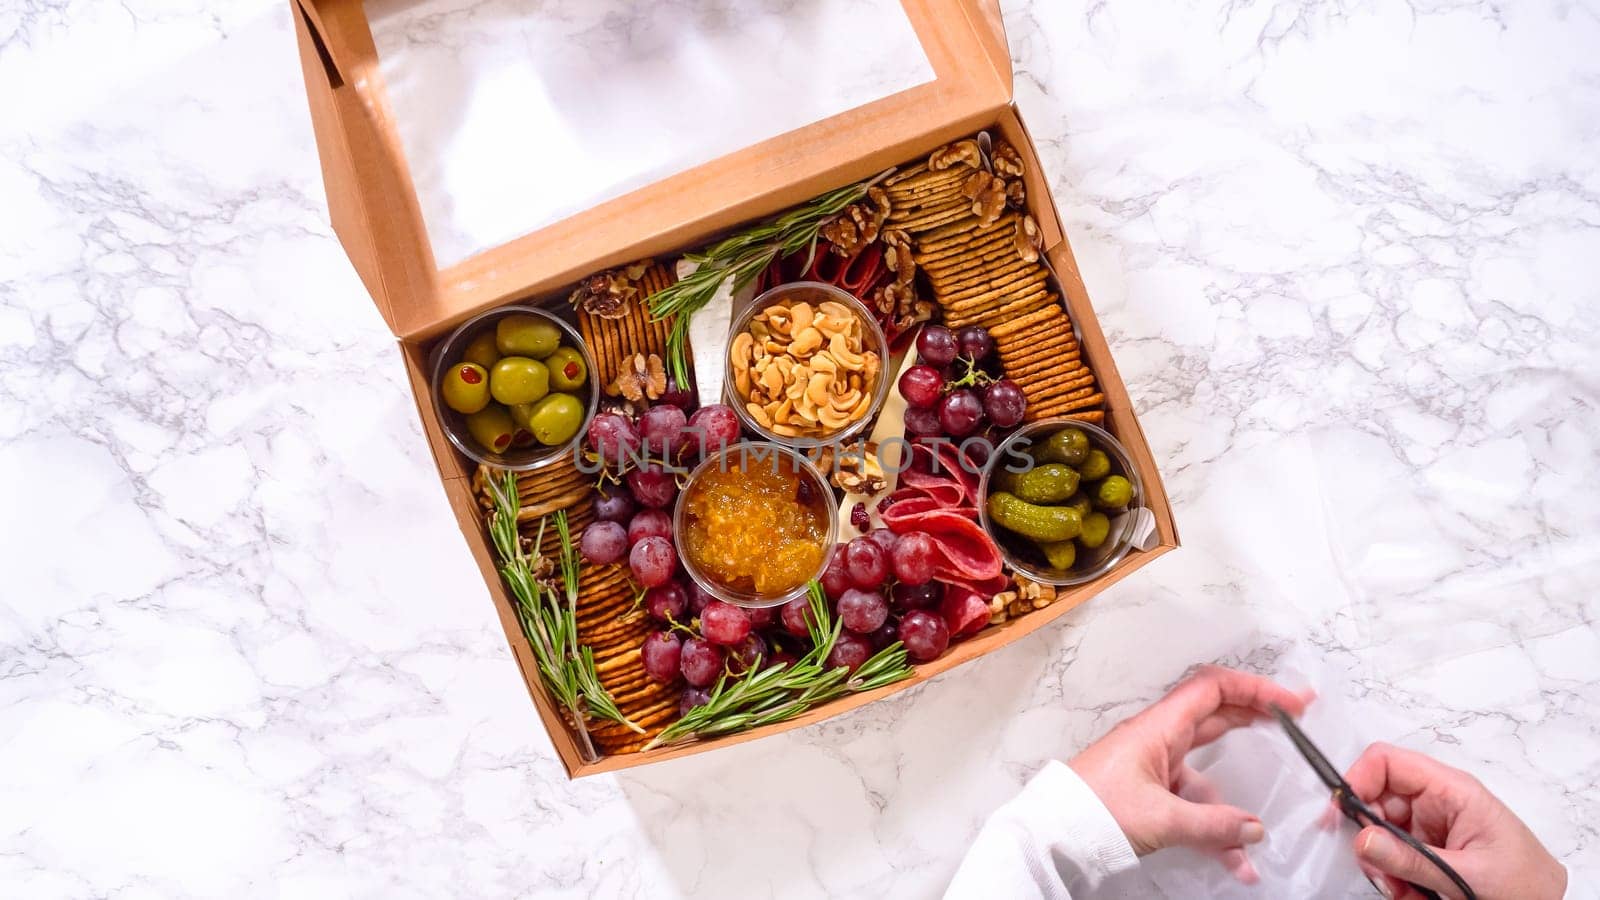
1138 770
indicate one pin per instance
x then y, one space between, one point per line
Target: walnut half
610 294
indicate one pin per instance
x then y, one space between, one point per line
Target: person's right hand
1456 815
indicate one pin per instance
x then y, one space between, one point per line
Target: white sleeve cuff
1054 840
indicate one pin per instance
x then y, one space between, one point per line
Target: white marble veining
1346 255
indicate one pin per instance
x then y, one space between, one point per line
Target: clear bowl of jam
754 524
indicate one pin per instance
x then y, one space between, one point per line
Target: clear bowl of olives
514 388
1061 498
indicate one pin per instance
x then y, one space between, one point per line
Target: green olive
1095 528
522 412
1113 493
526 336
482 351
1096 466
567 371
518 379
465 388
492 428
556 418
1069 446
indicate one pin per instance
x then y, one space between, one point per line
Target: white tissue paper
1259 770
515 114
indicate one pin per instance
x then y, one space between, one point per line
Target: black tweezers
1359 812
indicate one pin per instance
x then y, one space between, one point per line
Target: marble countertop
1346 257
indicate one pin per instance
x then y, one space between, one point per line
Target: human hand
1137 769
1455 814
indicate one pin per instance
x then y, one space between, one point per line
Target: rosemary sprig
551 626
741 258
783 691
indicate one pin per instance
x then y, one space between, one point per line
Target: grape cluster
953 390
882 588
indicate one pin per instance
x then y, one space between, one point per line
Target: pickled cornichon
1049 483
1095 528
1069 446
1081 502
1041 523
1095 466
1060 554
1113 493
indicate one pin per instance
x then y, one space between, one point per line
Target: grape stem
782 691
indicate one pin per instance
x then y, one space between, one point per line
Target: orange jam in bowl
755 524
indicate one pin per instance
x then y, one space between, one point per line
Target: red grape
723 623
662 651
796 613
923 633
975 342
749 653
666 602
835 578
884 538
677 396
920 385
692 697
662 427
603 543
699 598
616 506
652 561
913 558
701 662
959 414
922 422
712 428
762 616
1004 403
862 611
917 596
850 651
887 633
937 345
653 485
649 523
614 437
866 563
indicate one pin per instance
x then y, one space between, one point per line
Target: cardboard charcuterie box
387 218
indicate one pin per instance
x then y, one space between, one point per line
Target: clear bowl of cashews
806 365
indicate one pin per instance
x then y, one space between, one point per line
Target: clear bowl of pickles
1061 499
514 388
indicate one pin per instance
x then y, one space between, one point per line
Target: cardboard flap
374 202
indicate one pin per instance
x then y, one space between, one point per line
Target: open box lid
429 265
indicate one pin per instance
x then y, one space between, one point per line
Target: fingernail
1383 888
1252 833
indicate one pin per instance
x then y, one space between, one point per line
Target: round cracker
1024 278
945 271
931 257
1003 310
1039 390
1045 366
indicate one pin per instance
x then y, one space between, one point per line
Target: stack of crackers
611 621
980 261
615 342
